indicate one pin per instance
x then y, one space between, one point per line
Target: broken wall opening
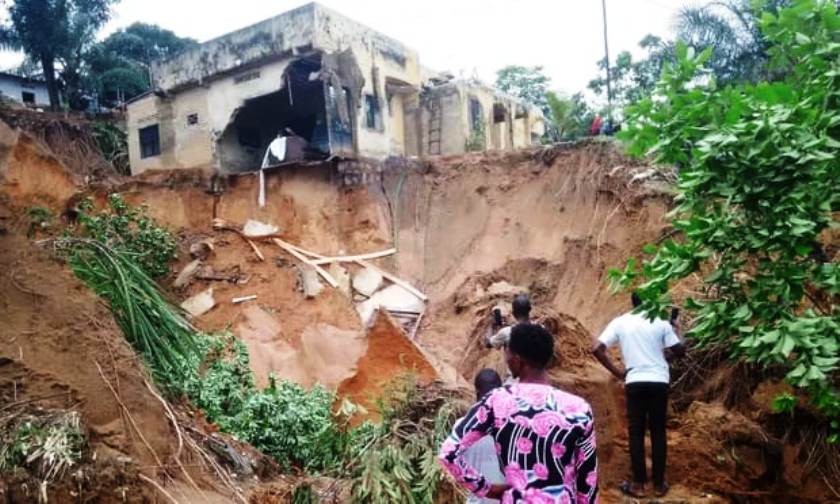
297 108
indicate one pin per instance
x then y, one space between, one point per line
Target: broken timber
300 257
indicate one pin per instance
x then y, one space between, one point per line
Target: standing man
482 455
643 348
545 437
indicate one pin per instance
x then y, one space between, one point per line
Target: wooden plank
402 283
353 258
291 249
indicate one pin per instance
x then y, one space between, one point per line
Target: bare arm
600 353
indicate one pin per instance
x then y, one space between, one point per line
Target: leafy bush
119 253
129 229
758 175
39 218
113 144
395 460
296 427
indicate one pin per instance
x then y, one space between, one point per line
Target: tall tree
633 80
52 30
527 83
731 30
119 65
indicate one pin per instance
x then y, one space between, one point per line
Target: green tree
757 194
569 116
51 31
530 84
633 80
731 29
119 65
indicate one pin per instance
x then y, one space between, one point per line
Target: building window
149 141
192 119
476 115
373 114
28 97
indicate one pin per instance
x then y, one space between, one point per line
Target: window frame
149 147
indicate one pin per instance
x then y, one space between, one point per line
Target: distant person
644 345
482 455
545 438
595 128
521 310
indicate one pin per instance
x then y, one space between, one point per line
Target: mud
470 232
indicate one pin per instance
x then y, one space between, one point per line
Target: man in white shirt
644 345
482 455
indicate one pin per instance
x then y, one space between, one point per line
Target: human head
521 306
635 299
530 349
485 381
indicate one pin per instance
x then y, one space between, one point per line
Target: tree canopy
51 31
119 65
757 202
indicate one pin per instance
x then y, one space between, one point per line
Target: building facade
344 89
24 90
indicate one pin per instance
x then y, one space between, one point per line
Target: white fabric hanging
277 150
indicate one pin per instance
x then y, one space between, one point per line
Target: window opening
150 141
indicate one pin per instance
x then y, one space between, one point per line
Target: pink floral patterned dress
545 440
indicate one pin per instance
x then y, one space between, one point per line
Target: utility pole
607 53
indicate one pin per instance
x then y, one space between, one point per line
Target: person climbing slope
545 438
644 345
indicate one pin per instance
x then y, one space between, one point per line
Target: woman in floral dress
545 438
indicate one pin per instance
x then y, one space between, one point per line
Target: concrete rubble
199 304
367 281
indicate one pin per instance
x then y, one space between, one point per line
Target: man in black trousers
645 348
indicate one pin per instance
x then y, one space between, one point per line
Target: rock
186 275
311 283
200 304
393 298
342 276
367 281
202 250
257 228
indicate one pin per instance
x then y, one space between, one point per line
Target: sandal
661 491
627 489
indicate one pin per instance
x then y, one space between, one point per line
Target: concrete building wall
205 87
280 37
380 58
149 111
13 87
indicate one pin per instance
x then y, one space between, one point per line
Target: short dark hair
521 306
533 343
486 380
635 299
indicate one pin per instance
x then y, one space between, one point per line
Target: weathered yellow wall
147 111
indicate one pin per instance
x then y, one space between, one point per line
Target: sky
465 37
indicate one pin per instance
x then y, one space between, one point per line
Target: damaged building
327 86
